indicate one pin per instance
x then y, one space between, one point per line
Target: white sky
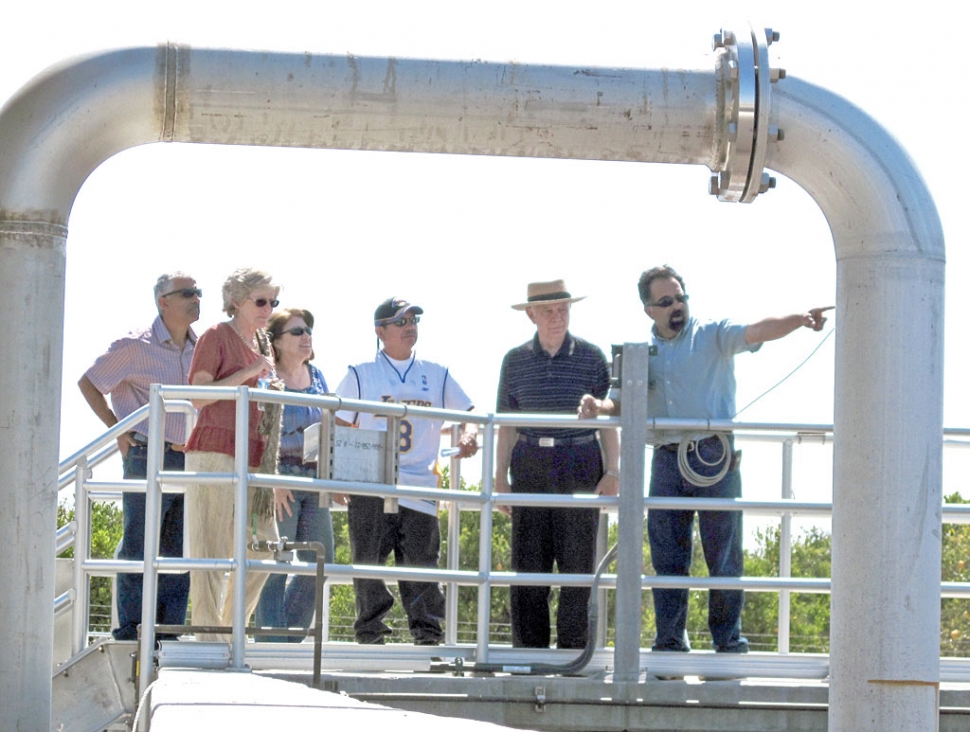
461 236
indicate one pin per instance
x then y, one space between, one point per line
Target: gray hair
164 283
240 284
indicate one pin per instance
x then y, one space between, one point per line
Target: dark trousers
173 589
415 540
542 537
671 548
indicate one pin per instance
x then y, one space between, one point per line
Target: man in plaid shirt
161 354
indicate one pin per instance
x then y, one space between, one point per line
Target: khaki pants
209 518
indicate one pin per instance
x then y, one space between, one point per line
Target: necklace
249 343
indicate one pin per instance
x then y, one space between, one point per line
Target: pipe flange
744 80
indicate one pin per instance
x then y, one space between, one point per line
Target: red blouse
221 352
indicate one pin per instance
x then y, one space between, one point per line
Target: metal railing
76 470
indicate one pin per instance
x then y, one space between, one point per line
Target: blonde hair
240 284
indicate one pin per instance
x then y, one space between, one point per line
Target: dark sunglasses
262 302
186 292
666 302
298 331
401 322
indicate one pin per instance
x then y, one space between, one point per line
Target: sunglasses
401 322
262 302
186 292
298 331
666 302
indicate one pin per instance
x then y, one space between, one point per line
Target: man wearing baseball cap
397 375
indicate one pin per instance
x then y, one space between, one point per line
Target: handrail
178 399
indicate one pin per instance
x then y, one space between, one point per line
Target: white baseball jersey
416 382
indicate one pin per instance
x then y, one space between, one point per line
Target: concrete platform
599 704
184 699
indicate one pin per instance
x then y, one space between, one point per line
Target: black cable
790 374
565 669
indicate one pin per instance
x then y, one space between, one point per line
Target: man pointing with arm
692 376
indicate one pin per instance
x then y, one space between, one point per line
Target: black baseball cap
392 309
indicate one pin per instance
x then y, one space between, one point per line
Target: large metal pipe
887 500
71 118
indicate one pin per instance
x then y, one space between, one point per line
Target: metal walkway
96 690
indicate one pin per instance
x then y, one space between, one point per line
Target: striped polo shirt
535 382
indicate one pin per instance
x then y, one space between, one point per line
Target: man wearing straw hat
549 374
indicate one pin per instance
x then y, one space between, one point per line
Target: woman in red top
233 353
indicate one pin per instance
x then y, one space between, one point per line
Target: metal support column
153 512
32 292
784 553
629 592
454 537
240 534
82 552
485 545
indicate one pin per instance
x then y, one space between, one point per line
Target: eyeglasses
186 292
666 302
262 302
298 331
401 322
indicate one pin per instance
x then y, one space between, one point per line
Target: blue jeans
671 547
173 589
289 604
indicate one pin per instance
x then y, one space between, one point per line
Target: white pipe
888 243
32 297
887 488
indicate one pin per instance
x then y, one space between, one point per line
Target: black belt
296 462
556 441
141 441
674 446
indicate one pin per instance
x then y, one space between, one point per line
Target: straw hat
547 293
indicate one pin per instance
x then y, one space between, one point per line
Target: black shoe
738 646
371 640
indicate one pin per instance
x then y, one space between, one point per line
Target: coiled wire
688 444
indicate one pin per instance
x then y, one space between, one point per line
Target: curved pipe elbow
68 120
867 187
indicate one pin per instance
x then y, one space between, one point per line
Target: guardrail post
784 551
629 592
602 546
153 512
454 537
82 552
240 527
485 541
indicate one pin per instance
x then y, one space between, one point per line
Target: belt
296 462
556 441
140 440
674 446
